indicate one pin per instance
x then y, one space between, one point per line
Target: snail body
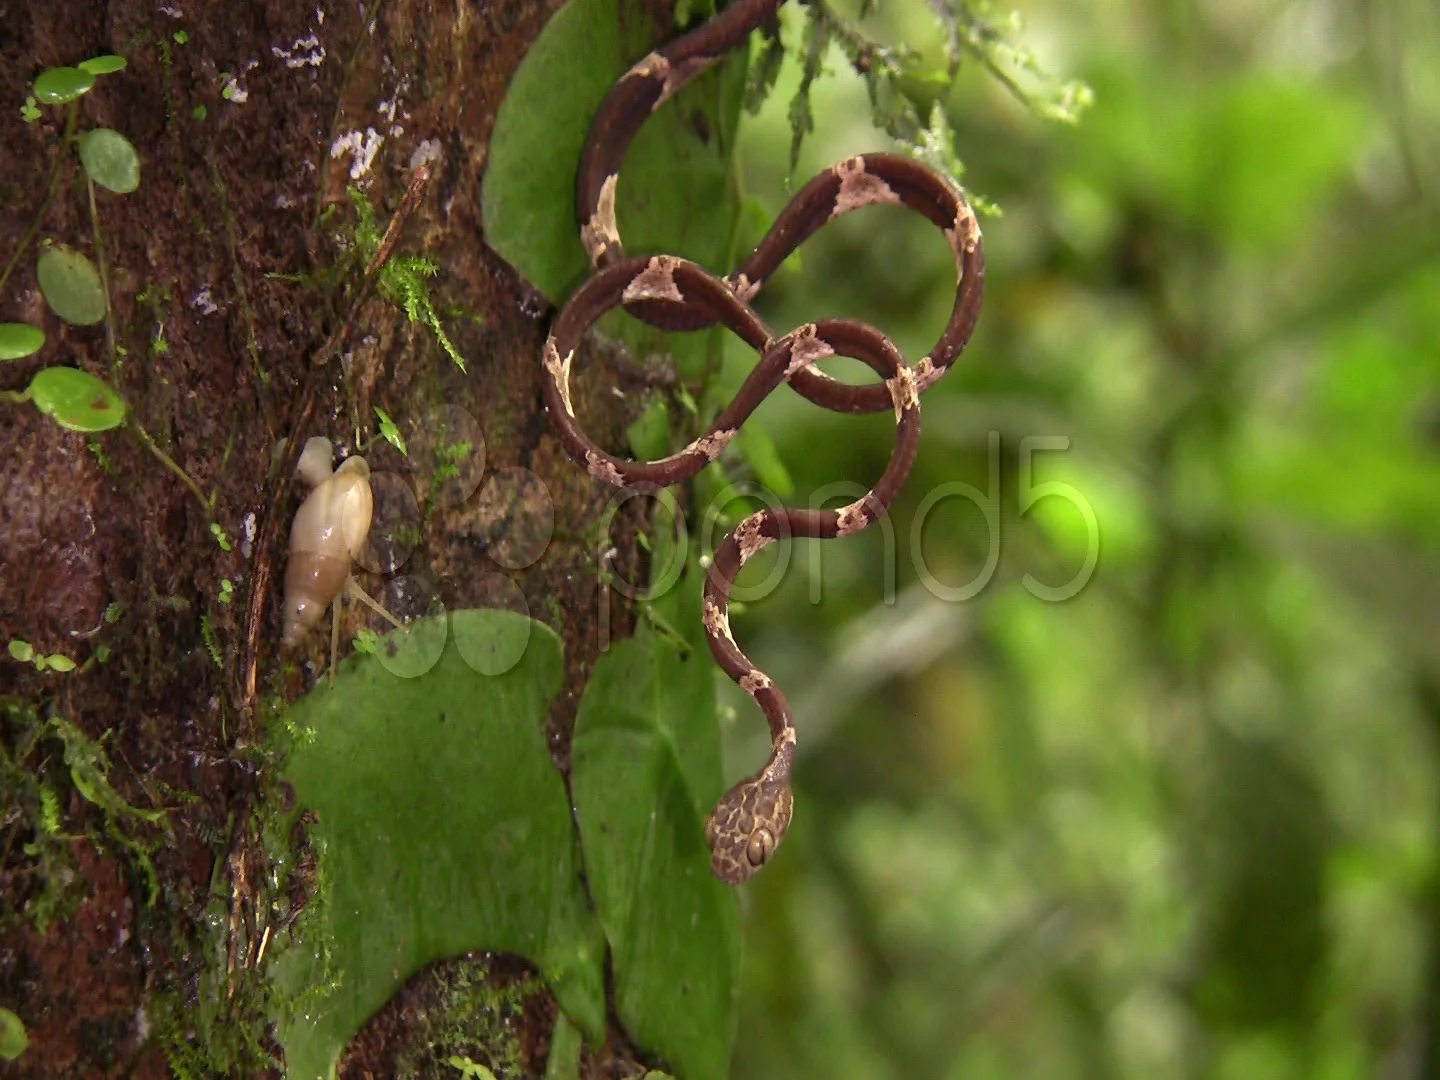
328 532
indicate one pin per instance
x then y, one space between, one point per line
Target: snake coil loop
748 823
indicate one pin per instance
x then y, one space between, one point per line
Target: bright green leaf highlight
103 65
71 286
90 770
472 1070
758 449
21 650
564 1060
389 432
111 160
76 399
59 662
649 436
645 771
59 85
181 37
18 339
28 112
13 1039
445 829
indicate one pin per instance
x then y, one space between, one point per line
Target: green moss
35 774
402 278
221 1030
30 804
475 1022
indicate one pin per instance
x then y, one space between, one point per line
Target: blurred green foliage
1185 823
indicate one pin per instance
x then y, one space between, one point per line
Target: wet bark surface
229 270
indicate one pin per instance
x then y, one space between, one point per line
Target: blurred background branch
1185 823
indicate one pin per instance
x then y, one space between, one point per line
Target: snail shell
329 529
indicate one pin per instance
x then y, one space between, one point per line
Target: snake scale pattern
750 820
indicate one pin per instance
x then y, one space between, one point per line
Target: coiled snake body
749 821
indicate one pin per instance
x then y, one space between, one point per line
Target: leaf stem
72 113
104 270
169 463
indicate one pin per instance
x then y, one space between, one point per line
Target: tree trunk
232 278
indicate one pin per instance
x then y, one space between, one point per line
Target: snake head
747 826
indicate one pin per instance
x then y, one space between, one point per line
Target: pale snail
328 532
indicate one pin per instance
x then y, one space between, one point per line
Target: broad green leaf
529 186
389 432
110 160
673 194
21 650
758 449
76 399
103 65
71 286
18 339
13 1039
563 1062
649 436
645 772
56 86
445 829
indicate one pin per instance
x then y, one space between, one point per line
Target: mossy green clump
402 278
472 1030
41 759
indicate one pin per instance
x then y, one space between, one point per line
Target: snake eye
761 847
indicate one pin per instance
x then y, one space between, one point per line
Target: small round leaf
76 399
60 662
55 86
18 339
110 159
21 650
71 285
13 1039
103 65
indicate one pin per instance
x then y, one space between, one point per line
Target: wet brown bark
228 273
